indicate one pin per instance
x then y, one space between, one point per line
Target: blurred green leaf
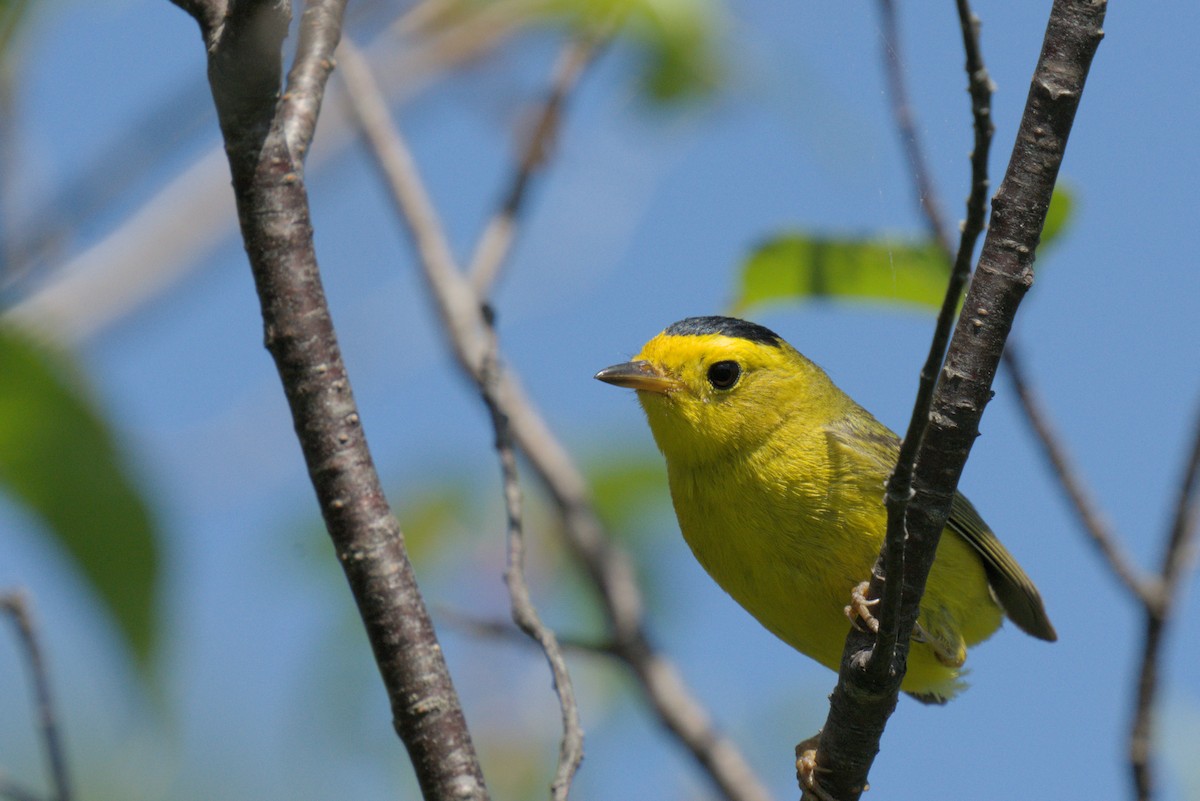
438 516
1062 207
799 266
677 39
58 458
12 13
627 487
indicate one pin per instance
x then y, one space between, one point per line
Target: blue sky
641 220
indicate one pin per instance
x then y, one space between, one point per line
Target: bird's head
713 386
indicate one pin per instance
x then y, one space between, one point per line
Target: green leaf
799 266
58 459
1062 206
628 487
676 40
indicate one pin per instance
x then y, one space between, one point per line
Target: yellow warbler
777 477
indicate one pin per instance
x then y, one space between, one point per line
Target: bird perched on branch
777 478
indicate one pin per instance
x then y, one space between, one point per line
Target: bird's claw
859 609
806 770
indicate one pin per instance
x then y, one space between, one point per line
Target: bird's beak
640 375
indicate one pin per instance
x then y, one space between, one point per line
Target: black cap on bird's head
726 326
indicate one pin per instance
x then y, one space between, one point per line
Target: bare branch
504 629
524 614
863 700
16 606
902 112
1177 553
266 142
464 318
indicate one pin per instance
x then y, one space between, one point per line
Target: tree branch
16 606
607 567
899 487
266 142
1178 552
863 700
1140 586
524 614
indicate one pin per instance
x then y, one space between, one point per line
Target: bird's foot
806 770
949 654
859 609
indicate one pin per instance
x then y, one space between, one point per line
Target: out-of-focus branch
16 607
1178 552
863 700
158 244
465 319
266 137
496 241
926 194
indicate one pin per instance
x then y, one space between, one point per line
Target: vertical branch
16 606
862 699
266 138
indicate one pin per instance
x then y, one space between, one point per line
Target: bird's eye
724 375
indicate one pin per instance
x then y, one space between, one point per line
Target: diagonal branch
464 318
266 142
16 606
863 699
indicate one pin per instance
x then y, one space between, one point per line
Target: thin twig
496 241
1177 554
504 629
16 606
902 112
606 565
524 614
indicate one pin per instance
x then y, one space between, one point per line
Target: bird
777 478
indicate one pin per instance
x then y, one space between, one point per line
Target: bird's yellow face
711 395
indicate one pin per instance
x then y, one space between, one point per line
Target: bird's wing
874 448
1014 590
